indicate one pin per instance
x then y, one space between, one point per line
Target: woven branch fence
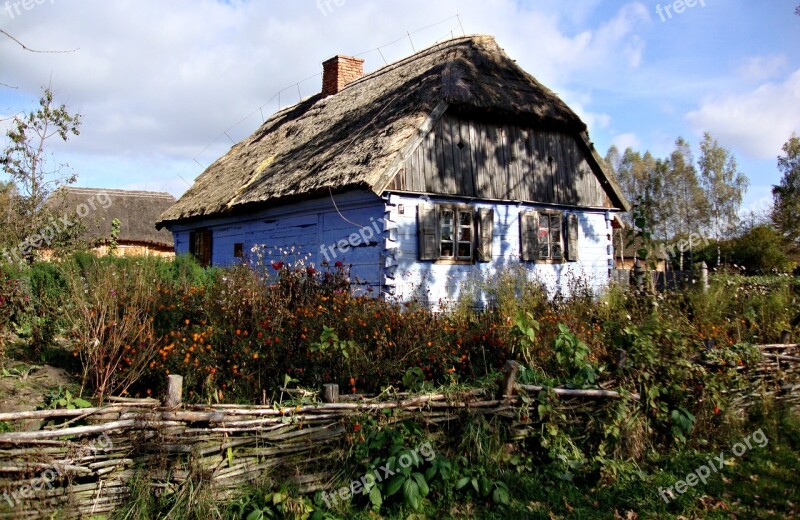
82 462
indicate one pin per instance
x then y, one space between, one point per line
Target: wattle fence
84 462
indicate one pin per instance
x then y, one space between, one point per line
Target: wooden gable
489 161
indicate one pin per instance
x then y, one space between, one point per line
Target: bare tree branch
29 49
7 85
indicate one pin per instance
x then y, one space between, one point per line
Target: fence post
704 276
331 393
174 391
509 379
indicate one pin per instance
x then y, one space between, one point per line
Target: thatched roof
137 211
351 139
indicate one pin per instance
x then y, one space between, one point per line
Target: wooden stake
509 379
174 391
331 393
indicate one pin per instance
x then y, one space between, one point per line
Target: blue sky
159 82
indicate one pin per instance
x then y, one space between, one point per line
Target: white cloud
161 80
762 68
625 141
757 122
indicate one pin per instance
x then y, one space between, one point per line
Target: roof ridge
133 193
393 65
420 54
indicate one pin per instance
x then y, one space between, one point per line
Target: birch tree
29 164
724 186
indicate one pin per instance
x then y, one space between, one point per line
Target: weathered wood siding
303 232
501 162
434 282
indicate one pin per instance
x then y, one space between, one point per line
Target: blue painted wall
378 236
304 233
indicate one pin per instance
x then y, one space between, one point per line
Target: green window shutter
428 243
485 231
572 237
529 235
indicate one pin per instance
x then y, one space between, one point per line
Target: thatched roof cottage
137 211
450 164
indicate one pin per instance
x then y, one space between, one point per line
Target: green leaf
394 485
411 494
485 486
500 496
375 497
462 482
419 478
81 403
256 515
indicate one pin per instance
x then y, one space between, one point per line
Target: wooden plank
500 177
483 187
572 181
544 177
431 171
455 152
527 168
440 165
519 153
494 159
414 172
552 161
477 157
505 182
465 159
447 154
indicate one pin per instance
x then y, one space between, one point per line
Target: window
200 246
455 233
542 236
549 236
238 250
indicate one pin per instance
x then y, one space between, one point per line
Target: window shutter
428 245
572 237
485 231
529 235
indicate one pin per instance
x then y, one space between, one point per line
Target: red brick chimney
338 72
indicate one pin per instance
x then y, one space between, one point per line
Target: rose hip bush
249 329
